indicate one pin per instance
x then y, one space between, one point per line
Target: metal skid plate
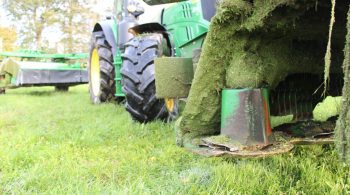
285 138
212 150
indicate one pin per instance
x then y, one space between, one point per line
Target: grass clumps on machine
343 123
276 44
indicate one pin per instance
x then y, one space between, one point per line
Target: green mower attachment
32 68
245 114
246 128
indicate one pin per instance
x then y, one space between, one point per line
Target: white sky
3 19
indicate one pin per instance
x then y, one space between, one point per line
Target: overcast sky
3 18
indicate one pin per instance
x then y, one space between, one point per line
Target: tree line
68 21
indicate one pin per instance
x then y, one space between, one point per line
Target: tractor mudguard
148 28
107 28
151 28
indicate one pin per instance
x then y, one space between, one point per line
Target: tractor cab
149 11
143 12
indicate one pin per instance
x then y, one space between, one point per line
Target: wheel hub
170 104
95 72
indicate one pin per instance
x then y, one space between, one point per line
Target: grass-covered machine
236 62
33 68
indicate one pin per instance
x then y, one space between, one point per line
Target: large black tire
138 78
106 86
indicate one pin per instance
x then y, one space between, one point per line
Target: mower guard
28 73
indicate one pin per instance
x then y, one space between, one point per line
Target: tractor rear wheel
138 78
101 70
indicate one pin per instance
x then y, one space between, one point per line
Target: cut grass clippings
59 143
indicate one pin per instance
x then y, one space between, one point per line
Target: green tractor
26 68
260 59
124 49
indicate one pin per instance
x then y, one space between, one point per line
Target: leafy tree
72 21
8 38
32 17
76 21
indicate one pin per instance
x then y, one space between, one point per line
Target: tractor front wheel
138 78
101 70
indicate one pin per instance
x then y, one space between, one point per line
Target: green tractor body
30 68
165 30
186 31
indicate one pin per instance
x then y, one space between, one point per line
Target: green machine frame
188 30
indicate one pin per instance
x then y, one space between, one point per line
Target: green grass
61 144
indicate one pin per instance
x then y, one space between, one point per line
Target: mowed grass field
59 143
